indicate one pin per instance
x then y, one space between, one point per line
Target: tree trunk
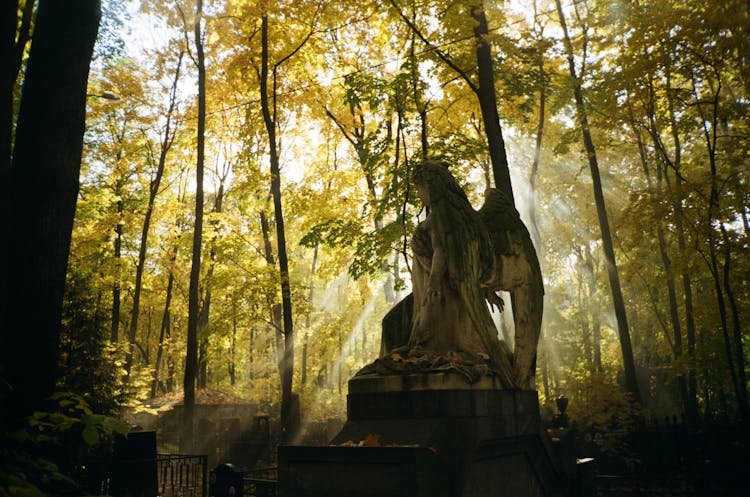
310 296
191 357
584 315
674 314
116 291
488 103
170 383
287 363
485 92
270 298
153 190
8 76
165 322
231 364
687 290
631 383
43 188
596 323
13 40
206 307
710 126
739 351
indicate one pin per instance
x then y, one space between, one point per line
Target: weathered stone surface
461 258
419 437
413 382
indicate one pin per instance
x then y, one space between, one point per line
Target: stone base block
428 435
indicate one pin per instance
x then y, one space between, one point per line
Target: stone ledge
418 382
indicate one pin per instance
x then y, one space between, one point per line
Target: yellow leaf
372 440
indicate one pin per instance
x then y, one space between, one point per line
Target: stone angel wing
516 270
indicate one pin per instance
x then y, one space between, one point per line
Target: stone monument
447 409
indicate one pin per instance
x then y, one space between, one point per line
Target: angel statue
462 257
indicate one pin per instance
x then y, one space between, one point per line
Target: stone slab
360 472
417 382
518 410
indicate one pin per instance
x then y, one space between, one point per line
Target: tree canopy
319 111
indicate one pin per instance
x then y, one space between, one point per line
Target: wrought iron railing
182 475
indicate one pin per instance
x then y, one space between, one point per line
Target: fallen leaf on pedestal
372 440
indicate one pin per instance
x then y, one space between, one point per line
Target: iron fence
182 475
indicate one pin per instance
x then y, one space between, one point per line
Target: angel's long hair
456 225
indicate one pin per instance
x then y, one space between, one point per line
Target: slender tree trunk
535 163
674 314
545 376
43 188
419 104
165 321
710 126
310 296
191 358
202 379
596 323
359 139
687 290
270 299
171 376
739 351
116 291
623 331
231 364
584 316
287 365
153 190
8 76
203 329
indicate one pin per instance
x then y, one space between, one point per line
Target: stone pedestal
430 434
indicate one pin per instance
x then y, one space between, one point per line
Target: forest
238 214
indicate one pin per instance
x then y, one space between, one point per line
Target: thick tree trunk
191 357
488 103
485 92
43 192
631 383
13 39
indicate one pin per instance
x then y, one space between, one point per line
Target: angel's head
434 182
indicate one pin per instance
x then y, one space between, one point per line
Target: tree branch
435 49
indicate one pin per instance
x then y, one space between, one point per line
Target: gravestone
447 410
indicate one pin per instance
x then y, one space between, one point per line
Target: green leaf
90 435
